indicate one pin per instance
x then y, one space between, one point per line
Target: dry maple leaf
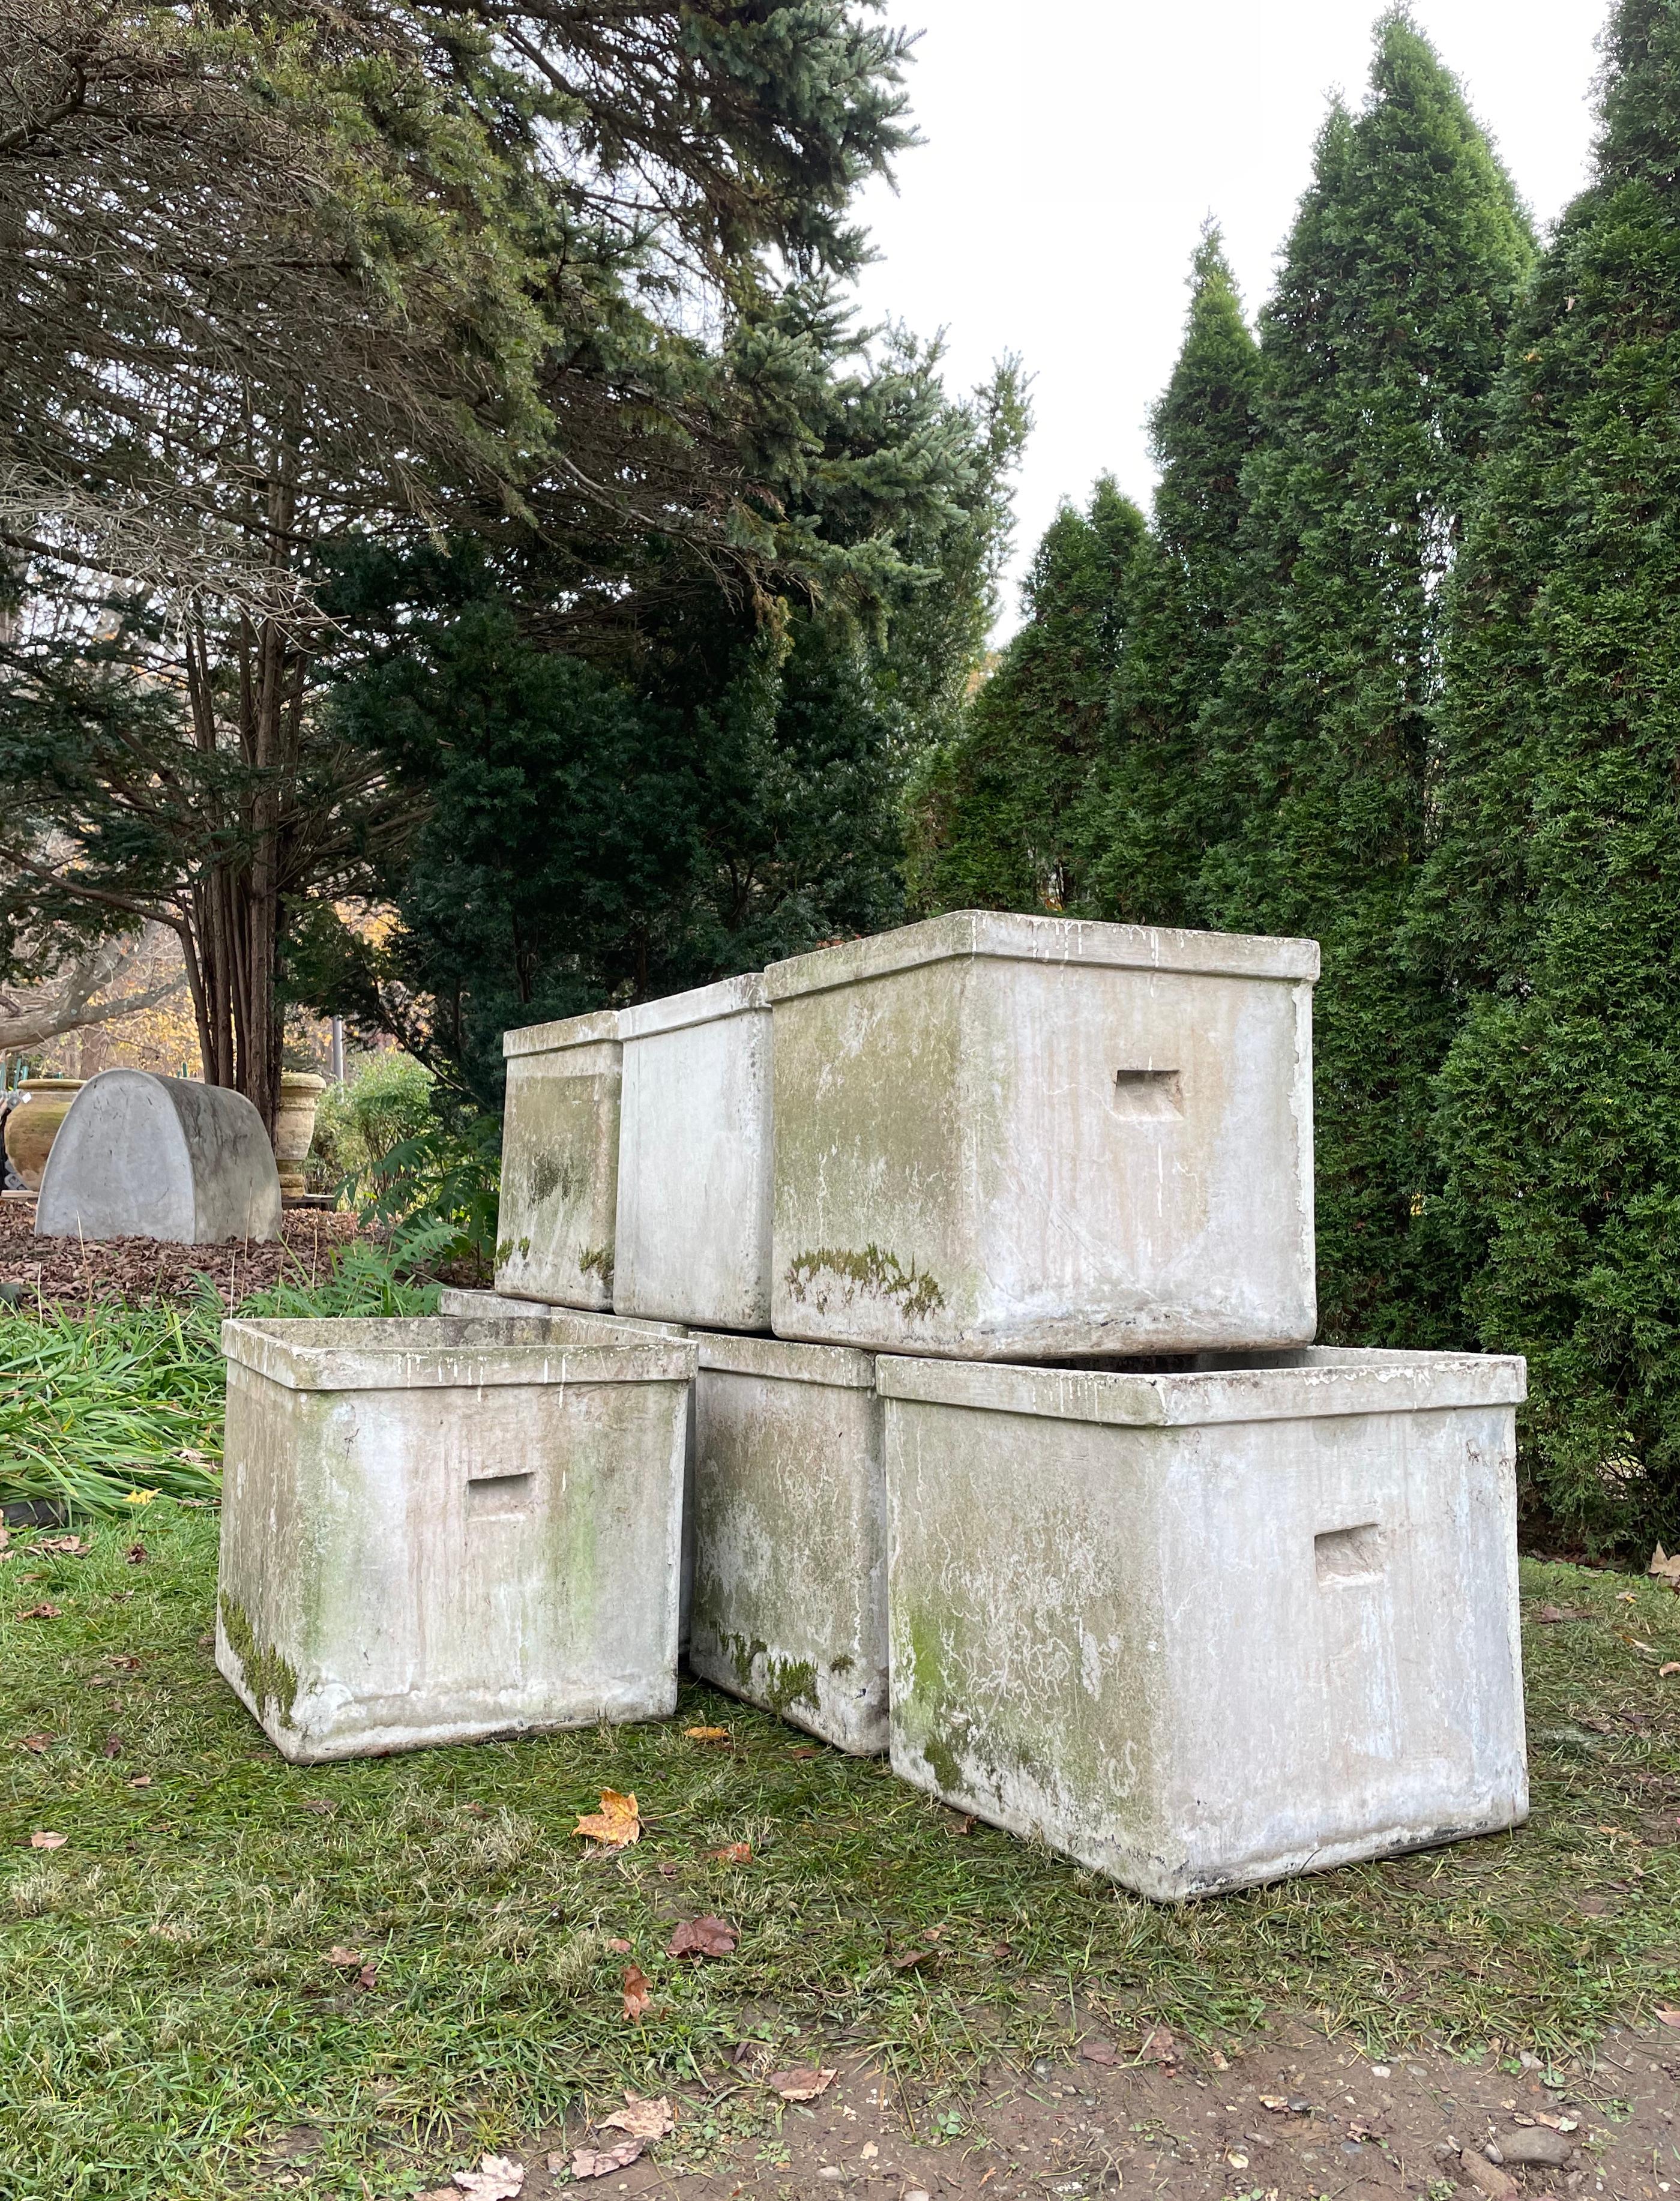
706 1733
37 1743
348 1960
616 1825
73 1547
702 1937
906 1959
40 1612
733 1853
497 2178
800 2085
41 1840
596 2162
640 2118
637 1994
1099 2052
366 1977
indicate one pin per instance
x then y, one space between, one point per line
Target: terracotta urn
295 1128
33 1121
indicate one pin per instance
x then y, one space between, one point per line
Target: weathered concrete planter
1003 1137
789 1571
560 1169
140 1156
693 1233
1202 1630
439 1529
33 1123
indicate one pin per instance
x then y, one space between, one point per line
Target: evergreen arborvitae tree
992 813
1141 827
1379 354
1553 896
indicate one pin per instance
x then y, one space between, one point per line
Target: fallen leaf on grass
619 1948
136 1555
1664 1568
637 1994
347 1960
733 1853
72 1547
706 1733
805 1753
959 1822
907 1957
497 2178
802 2085
1099 2052
1673 1667
40 1840
139 1781
366 1977
1160 2046
596 2162
319 1805
1669 2017
40 1612
615 1825
641 2119
126 1660
114 1746
35 1744
1549 1615
702 1937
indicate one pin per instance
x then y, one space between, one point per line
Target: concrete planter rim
396 1353
1007 937
600 1024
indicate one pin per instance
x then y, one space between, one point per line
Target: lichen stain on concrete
598 1260
266 1673
874 1272
550 1174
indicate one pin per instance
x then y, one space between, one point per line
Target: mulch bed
73 1272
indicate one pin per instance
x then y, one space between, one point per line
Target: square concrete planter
790 1570
1198 1630
692 1242
439 1529
559 1162
1002 1137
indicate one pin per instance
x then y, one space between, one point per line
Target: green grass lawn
168 2009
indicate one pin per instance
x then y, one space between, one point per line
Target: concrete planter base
1206 1628
790 1570
435 1530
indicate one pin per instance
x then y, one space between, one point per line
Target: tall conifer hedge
1379 354
1142 824
1553 900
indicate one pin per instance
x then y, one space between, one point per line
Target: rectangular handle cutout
1349 1555
499 1497
1142 1094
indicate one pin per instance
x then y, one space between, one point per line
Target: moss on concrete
267 1675
874 1272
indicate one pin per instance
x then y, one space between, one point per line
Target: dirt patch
72 1272
1292 2117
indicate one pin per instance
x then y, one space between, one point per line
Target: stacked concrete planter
439 1529
1039 1481
560 1170
789 1569
1203 1629
1005 1137
692 1241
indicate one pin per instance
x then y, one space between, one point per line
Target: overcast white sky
1075 147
